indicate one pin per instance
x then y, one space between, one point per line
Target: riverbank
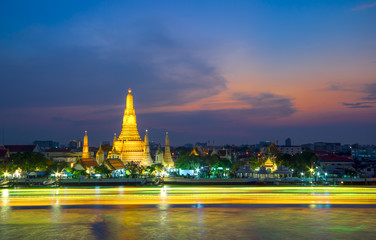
268 181
40 182
178 181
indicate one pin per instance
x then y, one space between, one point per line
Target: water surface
146 213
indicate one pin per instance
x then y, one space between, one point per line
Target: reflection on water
185 222
105 213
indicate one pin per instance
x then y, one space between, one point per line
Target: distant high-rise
288 142
46 144
75 144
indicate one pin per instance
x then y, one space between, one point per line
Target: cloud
366 102
267 104
94 63
261 108
364 6
370 89
359 105
339 87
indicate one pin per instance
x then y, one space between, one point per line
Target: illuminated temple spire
167 159
85 149
129 146
149 161
129 130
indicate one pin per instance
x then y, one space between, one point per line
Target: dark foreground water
188 221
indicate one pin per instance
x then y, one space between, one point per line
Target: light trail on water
187 195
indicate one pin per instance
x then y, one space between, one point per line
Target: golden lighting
190 195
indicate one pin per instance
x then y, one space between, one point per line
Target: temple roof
22 148
88 162
272 150
114 163
262 170
245 169
100 150
282 170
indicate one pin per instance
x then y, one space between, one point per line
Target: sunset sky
235 72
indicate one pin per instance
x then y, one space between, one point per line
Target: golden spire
167 159
129 130
148 161
100 150
85 149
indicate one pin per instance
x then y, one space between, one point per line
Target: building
291 150
129 147
334 165
329 147
268 158
288 142
87 161
75 144
48 144
4 153
364 152
167 159
13 149
62 155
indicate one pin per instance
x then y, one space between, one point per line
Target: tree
158 167
132 168
212 161
254 163
57 166
188 162
29 161
102 169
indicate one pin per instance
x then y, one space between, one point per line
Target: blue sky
229 71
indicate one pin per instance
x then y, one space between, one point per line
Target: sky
228 72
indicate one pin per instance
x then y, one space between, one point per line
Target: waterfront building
244 172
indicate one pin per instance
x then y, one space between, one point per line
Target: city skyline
229 72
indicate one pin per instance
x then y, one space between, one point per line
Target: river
193 212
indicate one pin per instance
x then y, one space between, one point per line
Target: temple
129 146
85 148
